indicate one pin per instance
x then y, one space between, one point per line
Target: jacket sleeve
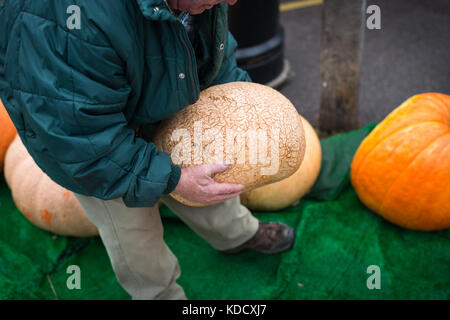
66 97
229 71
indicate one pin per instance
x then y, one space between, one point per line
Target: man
86 86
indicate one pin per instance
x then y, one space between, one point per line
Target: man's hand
197 185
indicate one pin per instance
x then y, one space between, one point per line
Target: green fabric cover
337 239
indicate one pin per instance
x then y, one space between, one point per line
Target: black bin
255 25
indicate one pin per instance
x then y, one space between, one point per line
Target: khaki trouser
133 237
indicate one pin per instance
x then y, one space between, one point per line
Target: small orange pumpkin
43 202
8 132
402 169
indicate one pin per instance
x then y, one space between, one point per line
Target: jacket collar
155 9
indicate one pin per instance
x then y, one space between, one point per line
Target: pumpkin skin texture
43 202
8 132
232 114
402 169
281 194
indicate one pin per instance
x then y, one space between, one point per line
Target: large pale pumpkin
281 194
7 133
251 126
43 202
402 169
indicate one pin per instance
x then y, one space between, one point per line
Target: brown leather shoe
271 238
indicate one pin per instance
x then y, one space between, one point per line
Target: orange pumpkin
8 132
43 202
402 169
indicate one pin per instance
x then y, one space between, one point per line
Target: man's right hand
197 185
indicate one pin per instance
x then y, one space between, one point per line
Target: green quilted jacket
78 95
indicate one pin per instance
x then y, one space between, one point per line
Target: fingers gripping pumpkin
402 169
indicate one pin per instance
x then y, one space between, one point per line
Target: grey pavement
409 55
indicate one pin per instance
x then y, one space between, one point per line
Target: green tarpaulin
337 240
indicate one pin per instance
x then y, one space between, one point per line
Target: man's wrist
174 178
